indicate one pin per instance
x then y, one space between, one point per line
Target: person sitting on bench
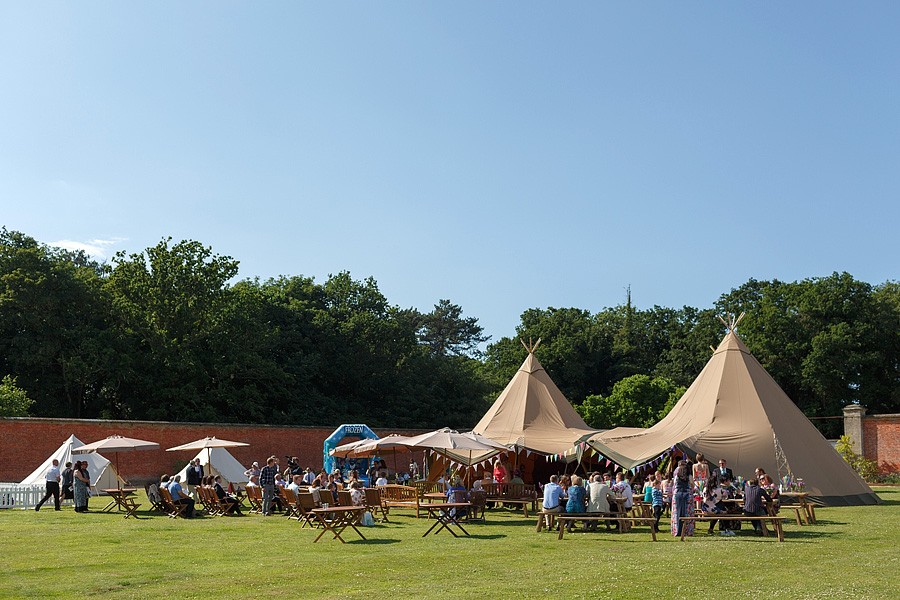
553 497
599 497
753 502
577 499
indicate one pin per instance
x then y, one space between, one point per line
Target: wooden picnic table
445 515
624 523
802 498
435 497
775 521
338 518
121 499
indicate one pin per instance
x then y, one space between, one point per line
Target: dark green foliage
636 401
164 334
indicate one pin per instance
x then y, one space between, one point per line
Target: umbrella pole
118 477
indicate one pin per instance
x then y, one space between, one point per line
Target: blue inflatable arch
334 440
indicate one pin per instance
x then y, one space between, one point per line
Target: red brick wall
25 443
881 441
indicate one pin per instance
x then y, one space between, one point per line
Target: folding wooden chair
213 502
479 501
130 504
201 502
292 507
344 498
254 497
305 504
155 498
374 503
172 509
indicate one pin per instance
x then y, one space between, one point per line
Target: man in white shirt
382 479
623 489
52 478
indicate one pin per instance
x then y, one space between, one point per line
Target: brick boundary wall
881 441
25 443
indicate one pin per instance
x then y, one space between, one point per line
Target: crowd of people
73 483
689 485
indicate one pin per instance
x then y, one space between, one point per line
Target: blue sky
504 155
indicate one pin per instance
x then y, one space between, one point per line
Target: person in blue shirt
577 499
179 497
553 497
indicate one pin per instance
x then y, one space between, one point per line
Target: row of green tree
164 335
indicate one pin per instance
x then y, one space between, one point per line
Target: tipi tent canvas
532 414
735 410
223 463
103 473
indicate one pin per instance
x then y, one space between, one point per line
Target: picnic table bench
122 499
775 521
623 523
401 496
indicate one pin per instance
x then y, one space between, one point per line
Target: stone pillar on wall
853 426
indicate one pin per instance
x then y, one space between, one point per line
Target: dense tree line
164 334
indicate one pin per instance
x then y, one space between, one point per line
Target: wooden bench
623 523
775 521
400 496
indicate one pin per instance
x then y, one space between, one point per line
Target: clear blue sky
504 155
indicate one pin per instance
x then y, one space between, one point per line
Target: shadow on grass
485 536
372 541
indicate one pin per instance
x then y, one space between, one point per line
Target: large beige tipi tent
735 410
532 414
103 474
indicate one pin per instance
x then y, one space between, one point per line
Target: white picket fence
15 495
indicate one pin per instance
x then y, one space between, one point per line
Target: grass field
850 553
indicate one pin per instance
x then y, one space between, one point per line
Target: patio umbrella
116 444
443 441
208 443
344 450
389 444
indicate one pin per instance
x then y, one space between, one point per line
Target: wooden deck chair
306 503
172 509
214 502
155 498
374 503
292 506
254 497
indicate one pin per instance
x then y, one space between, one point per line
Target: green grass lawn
850 553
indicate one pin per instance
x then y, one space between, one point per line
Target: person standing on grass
267 483
68 476
682 499
195 475
82 481
656 501
52 478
